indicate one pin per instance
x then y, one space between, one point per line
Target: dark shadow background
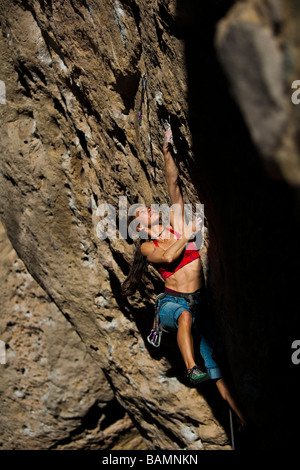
254 224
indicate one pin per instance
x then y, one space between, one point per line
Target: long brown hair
136 272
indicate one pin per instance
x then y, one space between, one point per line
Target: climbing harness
190 298
144 85
154 337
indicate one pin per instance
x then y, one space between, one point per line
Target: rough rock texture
53 395
71 140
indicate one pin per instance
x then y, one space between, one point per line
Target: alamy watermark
2 92
2 352
295 95
296 354
115 222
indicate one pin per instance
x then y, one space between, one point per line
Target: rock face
77 132
53 395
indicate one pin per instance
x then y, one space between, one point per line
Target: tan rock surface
53 394
71 140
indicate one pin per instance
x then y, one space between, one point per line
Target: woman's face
147 216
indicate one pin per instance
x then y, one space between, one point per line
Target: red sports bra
190 253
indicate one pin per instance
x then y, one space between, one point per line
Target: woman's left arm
172 178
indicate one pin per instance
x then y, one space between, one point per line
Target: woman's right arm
155 254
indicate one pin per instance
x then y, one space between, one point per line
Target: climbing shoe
196 376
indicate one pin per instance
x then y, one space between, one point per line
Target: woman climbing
171 249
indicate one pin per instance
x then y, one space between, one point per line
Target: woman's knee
185 319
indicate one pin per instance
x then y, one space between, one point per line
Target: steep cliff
77 131
53 395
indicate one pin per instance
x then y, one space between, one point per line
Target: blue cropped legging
171 307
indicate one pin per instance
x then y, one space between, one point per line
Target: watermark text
296 94
139 221
296 354
2 92
2 352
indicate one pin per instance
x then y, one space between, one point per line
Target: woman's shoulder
147 246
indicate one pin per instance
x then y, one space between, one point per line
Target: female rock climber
171 249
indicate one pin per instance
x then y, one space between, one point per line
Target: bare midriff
186 279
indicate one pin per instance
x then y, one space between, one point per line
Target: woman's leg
215 373
228 396
186 346
185 338
175 316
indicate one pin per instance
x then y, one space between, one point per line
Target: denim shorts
170 309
